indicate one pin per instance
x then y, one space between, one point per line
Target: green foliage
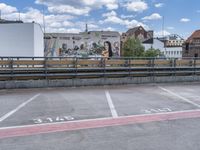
152 53
132 48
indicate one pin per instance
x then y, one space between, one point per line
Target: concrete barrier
94 82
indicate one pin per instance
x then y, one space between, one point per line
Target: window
187 48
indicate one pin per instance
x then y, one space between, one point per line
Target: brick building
191 48
137 32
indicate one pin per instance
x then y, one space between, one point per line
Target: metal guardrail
25 68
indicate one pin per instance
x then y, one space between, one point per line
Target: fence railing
14 68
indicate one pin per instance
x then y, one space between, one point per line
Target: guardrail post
101 63
76 67
172 66
1 60
175 60
129 66
45 67
11 67
153 66
32 65
194 65
17 59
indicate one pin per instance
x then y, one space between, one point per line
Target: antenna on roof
86 27
44 24
163 27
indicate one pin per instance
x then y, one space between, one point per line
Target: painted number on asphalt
51 120
158 110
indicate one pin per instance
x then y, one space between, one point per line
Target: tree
132 48
152 53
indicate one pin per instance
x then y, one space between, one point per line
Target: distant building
10 21
92 43
172 46
191 48
173 40
154 43
21 39
173 52
137 32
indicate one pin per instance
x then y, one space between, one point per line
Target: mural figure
107 52
116 51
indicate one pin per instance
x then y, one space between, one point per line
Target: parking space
40 106
190 92
146 100
77 117
10 99
60 105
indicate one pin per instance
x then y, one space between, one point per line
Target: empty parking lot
159 116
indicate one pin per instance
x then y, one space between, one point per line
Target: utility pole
0 14
44 24
163 27
86 27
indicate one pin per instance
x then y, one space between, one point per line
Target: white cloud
63 30
135 23
53 23
109 29
114 20
109 14
112 17
68 24
93 26
161 33
170 28
136 6
184 20
127 16
5 9
154 16
77 7
56 25
69 9
159 5
112 6
72 30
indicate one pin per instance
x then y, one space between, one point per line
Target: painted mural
96 44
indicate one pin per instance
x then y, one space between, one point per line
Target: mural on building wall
84 46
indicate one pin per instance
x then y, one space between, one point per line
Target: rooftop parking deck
154 116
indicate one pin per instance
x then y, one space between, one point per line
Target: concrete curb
93 82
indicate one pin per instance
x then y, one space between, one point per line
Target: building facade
21 39
173 40
137 32
154 43
173 52
191 48
93 43
172 46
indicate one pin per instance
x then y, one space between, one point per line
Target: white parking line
179 96
111 105
18 108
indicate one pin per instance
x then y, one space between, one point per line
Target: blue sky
180 16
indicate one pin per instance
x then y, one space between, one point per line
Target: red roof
195 34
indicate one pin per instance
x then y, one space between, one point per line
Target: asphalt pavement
132 117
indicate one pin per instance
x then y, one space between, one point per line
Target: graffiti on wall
101 48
